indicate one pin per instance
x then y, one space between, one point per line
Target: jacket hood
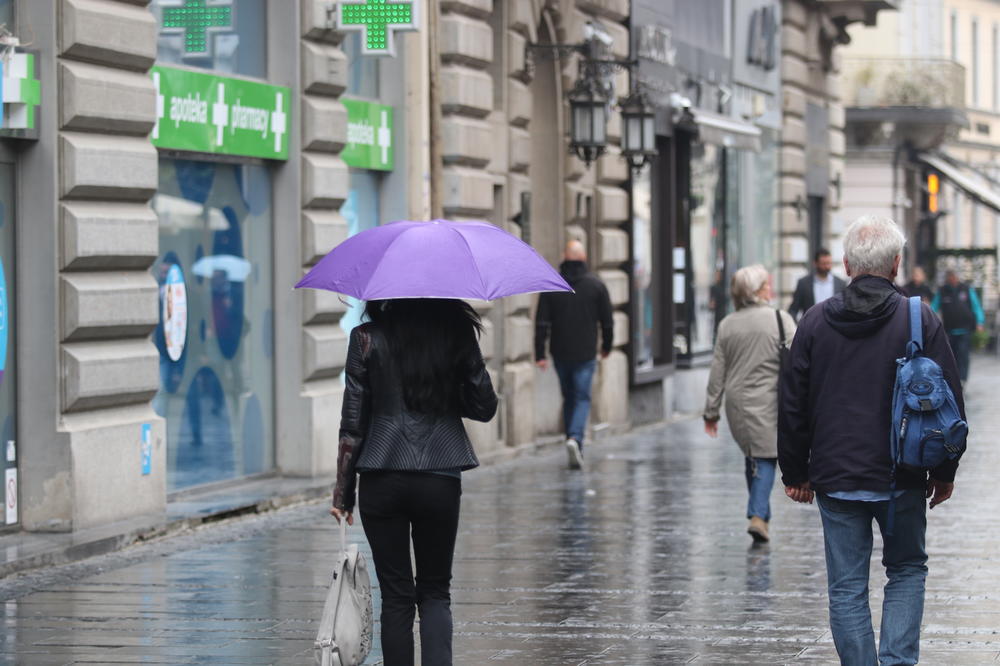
572 271
863 307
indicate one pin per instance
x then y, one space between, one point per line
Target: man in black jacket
572 319
816 287
833 440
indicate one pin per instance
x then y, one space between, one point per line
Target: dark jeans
393 505
575 378
961 346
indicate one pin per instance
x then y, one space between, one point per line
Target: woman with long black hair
414 369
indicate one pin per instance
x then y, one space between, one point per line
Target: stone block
519 398
107 235
548 403
520 149
466 91
619 33
106 457
106 305
612 205
795 249
485 437
322 230
488 340
616 10
480 9
516 184
109 33
575 168
516 44
793 103
794 69
324 124
793 40
621 329
320 306
612 246
520 304
790 275
467 141
793 160
106 167
611 390
792 220
793 131
101 99
838 143
326 399
792 189
519 103
325 181
519 338
794 13
612 168
467 192
466 41
316 21
109 373
833 85
521 18
324 69
324 350
579 200
837 115
617 284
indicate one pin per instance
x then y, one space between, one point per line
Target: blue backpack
927 428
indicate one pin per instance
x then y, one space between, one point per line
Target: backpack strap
916 343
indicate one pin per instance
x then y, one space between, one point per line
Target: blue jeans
961 347
847 531
760 480
575 378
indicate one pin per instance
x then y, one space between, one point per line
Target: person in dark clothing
413 371
833 440
959 307
572 320
917 286
817 287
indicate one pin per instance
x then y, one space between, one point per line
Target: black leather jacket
378 432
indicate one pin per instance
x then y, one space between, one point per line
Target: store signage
194 19
379 20
21 92
369 135
10 477
207 113
146 448
762 38
174 313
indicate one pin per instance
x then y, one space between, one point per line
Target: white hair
871 245
746 284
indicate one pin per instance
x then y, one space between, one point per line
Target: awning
972 183
725 131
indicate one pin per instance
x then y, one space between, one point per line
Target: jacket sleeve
793 412
716 378
606 317
543 322
796 306
353 419
936 348
477 397
977 308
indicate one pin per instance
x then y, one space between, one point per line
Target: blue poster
146 448
4 324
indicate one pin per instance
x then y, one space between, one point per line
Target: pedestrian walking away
570 321
917 286
960 310
745 370
413 371
834 425
816 287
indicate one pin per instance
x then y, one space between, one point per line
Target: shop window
706 270
644 272
228 36
216 333
361 211
362 70
8 383
7 14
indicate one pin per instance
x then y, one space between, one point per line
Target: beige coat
745 369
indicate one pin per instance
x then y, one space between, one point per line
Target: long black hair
430 340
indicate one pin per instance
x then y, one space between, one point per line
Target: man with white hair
834 429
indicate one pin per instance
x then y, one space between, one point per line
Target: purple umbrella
438 259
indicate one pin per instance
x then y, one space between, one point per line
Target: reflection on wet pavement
643 559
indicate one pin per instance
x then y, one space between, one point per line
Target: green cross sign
379 19
194 19
21 92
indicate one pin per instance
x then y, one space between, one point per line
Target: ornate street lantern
638 130
588 119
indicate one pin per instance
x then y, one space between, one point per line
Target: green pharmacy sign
194 19
369 135
378 19
206 113
21 92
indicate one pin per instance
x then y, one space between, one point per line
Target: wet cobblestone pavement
643 559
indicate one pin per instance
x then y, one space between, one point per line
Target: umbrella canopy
437 259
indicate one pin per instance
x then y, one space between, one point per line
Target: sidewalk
644 559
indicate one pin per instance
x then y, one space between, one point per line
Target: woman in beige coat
745 369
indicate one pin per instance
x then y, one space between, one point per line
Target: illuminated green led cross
379 19
195 19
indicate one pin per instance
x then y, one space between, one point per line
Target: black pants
391 505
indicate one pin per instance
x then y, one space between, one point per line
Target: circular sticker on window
4 323
175 313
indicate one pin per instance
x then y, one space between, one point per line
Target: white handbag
345 630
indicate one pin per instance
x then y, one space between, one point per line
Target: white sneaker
573 454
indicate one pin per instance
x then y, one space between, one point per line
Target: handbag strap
343 535
781 329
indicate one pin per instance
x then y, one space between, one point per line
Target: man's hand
711 428
800 493
605 354
341 515
542 363
938 491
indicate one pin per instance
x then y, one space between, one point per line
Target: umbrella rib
473 256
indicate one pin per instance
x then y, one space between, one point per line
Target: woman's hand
712 428
341 514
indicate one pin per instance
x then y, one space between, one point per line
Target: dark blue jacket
834 414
